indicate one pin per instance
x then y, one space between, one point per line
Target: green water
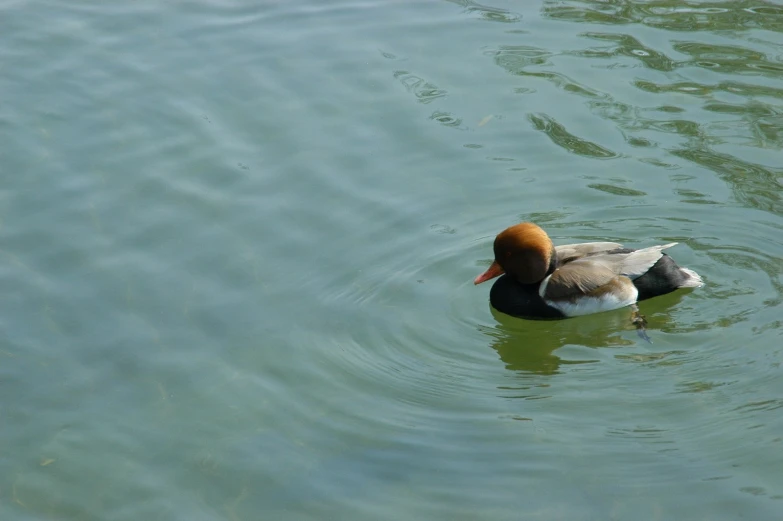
238 243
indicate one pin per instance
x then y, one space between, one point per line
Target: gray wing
633 264
583 275
574 251
637 263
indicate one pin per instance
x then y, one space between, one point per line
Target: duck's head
524 251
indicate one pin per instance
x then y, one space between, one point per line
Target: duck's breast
520 300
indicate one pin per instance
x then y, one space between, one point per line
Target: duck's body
543 281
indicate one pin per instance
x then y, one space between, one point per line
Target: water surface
238 245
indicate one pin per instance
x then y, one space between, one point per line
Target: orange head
524 251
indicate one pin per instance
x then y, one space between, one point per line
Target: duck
539 280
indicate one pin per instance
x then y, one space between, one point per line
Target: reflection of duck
531 346
544 281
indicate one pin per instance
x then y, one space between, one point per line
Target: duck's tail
693 279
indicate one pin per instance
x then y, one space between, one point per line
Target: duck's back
653 272
574 251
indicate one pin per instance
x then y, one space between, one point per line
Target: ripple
442 228
756 185
616 190
561 137
694 197
488 13
515 58
754 491
425 91
700 387
677 17
750 108
729 59
743 89
627 45
446 119
766 405
653 357
640 433
766 10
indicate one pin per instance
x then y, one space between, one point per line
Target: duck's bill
494 271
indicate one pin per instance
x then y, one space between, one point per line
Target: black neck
552 262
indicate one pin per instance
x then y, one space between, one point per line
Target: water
238 245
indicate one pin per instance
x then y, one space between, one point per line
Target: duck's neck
552 262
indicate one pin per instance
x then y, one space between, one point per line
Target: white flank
590 305
694 281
